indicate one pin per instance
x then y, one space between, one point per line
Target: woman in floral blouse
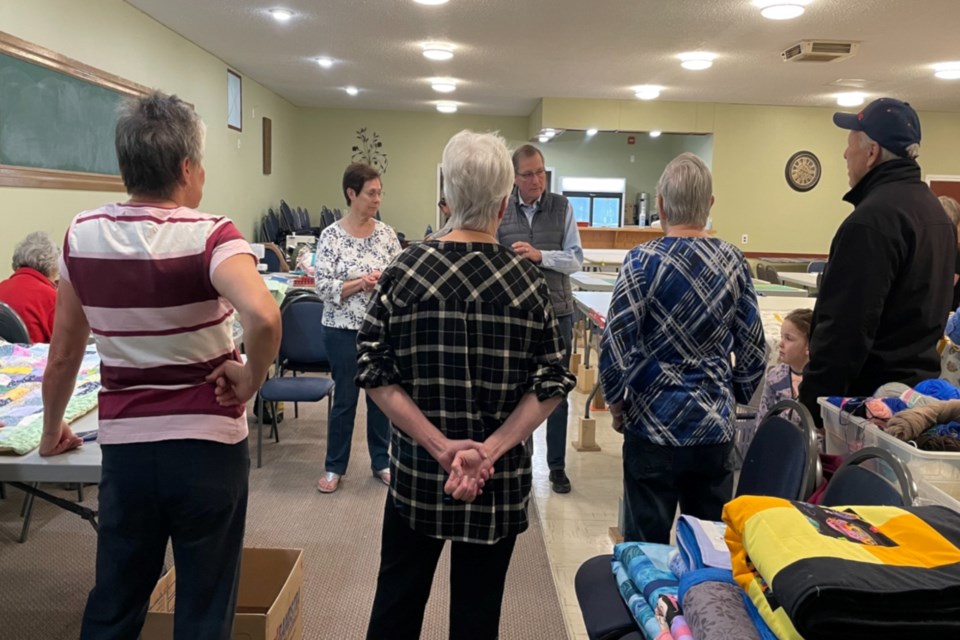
350 255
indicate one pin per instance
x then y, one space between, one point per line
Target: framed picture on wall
234 101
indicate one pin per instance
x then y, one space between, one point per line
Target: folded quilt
718 609
715 611
639 608
848 572
701 543
656 585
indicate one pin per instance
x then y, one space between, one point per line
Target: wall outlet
744 239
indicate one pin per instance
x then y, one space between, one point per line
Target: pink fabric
143 277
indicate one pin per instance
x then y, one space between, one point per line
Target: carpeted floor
43 583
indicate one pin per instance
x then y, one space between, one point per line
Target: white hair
477 176
686 188
913 151
37 252
952 207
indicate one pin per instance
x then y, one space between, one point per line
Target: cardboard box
269 602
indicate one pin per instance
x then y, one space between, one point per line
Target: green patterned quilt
21 404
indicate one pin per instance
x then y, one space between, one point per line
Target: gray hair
913 151
38 252
155 134
686 188
477 176
952 207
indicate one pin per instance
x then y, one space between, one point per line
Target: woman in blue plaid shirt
461 350
681 306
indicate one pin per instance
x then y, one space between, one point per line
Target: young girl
783 380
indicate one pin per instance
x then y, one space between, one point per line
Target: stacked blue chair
301 347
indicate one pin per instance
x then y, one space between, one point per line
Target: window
597 202
596 209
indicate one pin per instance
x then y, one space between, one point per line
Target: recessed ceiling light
431 2
781 9
697 60
543 139
851 99
947 70
655 133
591 132
281 15
447 107
444 85
648 91
325 62
438 50
351 91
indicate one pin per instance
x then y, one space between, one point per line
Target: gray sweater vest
546 234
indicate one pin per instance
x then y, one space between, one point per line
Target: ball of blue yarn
939 389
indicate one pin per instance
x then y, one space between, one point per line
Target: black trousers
192 492
656 478
408 560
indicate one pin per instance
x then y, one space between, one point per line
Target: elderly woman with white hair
681 306
462 351
32 291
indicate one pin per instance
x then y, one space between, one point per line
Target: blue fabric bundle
939 389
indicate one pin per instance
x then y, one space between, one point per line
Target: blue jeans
192 492
557 421
341 346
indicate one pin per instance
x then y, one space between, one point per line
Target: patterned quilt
21 404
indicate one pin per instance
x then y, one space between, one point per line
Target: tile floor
576 526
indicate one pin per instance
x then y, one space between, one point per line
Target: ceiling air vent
820 51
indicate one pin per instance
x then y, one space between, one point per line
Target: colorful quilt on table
849 572
21 403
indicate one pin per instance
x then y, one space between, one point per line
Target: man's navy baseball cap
892 124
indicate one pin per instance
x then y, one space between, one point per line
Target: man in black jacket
887 287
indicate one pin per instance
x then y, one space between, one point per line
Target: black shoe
559 481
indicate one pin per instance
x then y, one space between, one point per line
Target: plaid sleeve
376 363
548 377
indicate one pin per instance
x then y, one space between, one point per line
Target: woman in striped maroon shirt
157 282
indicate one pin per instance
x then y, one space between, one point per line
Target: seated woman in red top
31 291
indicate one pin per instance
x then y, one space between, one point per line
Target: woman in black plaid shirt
461 350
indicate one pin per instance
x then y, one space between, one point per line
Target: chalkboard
57 119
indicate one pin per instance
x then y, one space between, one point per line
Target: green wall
751 146
609 155
113 36
413 143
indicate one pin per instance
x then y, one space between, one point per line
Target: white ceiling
510 53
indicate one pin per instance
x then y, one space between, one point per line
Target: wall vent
820 51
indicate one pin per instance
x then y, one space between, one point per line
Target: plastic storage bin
936 473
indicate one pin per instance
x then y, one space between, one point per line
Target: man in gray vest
540 227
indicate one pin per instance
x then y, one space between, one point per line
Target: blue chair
855 484
273 258
12 328
605 614
816 266
783 460
301 348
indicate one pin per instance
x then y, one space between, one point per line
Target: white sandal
329 483
383 475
